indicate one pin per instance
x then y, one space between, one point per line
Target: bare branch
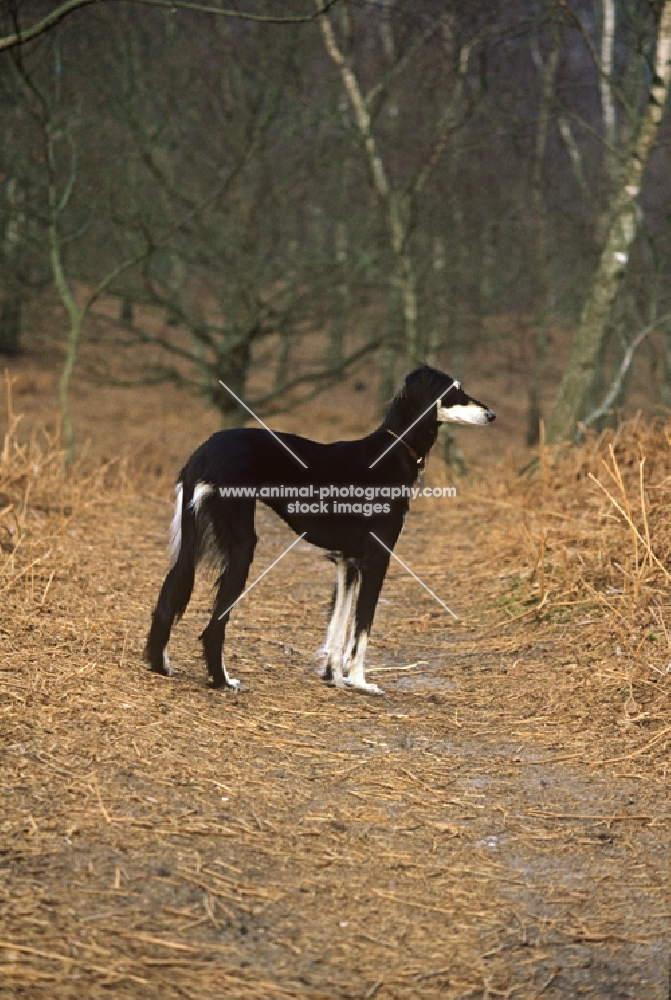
612 393
574 153
21 36
328 376
318 380
452 120
401 64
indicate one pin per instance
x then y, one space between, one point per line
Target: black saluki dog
216 498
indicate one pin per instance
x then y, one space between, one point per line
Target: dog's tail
191 531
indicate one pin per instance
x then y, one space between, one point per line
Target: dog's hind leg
237 554
176 590
373 571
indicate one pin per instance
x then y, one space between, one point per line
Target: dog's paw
364 687
163 667
225 683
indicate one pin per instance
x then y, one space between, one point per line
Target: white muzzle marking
472 413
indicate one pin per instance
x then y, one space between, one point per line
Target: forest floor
497 825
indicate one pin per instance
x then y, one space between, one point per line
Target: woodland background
416 180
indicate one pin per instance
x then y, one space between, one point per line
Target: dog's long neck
422 437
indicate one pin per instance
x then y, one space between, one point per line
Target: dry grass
497 826
586 541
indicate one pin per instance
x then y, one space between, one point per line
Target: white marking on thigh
200 492
176 527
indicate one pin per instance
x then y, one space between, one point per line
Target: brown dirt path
481 831
496 826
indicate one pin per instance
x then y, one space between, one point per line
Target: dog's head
453 405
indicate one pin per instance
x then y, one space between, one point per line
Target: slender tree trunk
389 353
10 323
71 350
395 209
622 231
547 69
126 310
339 324
233 369
11 303
666 384
75 313
283 356
408 288
436 333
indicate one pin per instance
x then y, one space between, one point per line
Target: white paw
167 669
364 687
233 684
322 657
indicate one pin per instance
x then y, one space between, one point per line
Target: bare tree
399 200
622 230
246 269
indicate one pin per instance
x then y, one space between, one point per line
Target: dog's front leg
372 577
336 647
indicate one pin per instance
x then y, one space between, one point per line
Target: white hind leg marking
176 527
230 682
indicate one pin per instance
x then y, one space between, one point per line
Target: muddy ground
497 825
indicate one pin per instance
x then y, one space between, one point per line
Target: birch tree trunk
621 233
74 311
391 200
